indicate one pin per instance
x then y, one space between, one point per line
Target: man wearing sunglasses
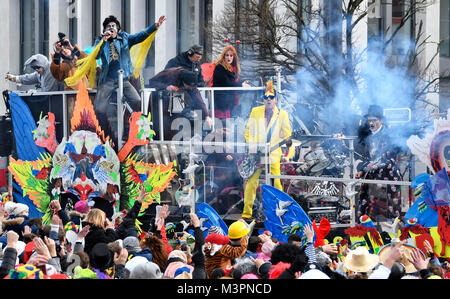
41 77
266 124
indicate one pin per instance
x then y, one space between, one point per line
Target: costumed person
64 61
379 161
175 79
118 51
266 124
226 74
41 77
365 233
190 61
221 249
64 65
18 218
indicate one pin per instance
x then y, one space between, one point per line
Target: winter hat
19 208
314 274
82 207
360 260
178 254
174 266
9 206
131 244
132 263
323 259
146 270
218 239
101 257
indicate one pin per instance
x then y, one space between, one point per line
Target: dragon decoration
85 167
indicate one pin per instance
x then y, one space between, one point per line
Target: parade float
84 166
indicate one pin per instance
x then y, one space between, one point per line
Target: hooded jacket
46 81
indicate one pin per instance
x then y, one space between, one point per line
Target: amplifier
317 213
323 202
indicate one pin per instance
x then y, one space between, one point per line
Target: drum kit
320 155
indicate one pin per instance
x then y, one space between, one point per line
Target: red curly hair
235 66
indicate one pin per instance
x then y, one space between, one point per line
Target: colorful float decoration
432 207
365 234
85 167
284 216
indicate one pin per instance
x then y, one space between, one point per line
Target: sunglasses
271 98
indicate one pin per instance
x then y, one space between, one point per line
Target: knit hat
131 244
101 257
9 206
217 239
19 208
178 254
146 270
132 263
173 267
249 276
82 207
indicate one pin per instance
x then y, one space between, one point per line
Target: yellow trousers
252 186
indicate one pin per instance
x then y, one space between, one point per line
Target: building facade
32 26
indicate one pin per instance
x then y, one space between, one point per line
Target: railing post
161 115
120 111
65 112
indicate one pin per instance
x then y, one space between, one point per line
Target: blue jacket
123 43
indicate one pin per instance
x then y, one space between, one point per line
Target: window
445 28
149 20
126 16
34 24
96 21
73 25
186 29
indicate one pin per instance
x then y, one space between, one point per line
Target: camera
61 39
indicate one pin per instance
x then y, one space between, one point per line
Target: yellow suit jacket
256 130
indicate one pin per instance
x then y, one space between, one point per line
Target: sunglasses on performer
271 98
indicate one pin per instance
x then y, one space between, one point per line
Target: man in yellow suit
266 124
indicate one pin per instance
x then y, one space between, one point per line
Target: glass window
149 20
34 24
96 20
186 29
73 24
126 16
445 28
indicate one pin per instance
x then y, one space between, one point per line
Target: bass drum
316 160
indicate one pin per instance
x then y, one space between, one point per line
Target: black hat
376 111
188 77
101 257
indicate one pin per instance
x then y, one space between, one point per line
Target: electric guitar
250 162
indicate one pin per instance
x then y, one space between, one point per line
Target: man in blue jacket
115 56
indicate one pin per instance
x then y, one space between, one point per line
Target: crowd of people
84 244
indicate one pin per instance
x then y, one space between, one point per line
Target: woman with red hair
226 74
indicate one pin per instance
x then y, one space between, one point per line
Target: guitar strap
269 134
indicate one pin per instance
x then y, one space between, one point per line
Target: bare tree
315 47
